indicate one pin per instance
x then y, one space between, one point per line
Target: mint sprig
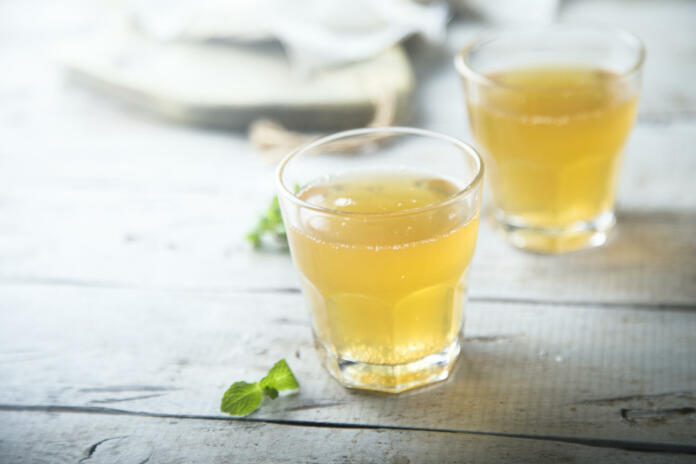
243 398
270 224
280 377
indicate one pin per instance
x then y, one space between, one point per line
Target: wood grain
619 373
96 439
120 202
129 299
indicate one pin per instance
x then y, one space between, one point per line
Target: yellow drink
385 284
554 138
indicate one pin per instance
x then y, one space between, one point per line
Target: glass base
390 378
579 236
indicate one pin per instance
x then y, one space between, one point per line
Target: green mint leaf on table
280 377
271 224
243 398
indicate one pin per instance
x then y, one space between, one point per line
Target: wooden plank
651 260
96 439
92 197
619 373
180 210
193 242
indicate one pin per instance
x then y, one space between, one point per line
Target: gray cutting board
230 85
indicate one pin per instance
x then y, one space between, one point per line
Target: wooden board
230 86
96 439
121 201
129 300
619 373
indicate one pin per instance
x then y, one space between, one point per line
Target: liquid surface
379 193
553 142
384 289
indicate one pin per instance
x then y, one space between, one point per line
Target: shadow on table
650 259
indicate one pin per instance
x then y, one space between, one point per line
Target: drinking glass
550 110
382 225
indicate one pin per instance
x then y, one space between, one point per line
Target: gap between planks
651 447
99 284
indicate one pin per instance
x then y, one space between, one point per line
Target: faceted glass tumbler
385 290
550 109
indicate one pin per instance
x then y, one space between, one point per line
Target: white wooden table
129 299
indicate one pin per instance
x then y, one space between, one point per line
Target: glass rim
466 70
467 148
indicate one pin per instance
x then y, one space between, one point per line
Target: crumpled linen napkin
314 33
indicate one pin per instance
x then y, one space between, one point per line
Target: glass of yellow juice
550 110
382 225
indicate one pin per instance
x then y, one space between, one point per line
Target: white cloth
511 12
314 33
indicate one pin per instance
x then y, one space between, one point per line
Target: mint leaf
270 224
280 377
241 398
254 238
